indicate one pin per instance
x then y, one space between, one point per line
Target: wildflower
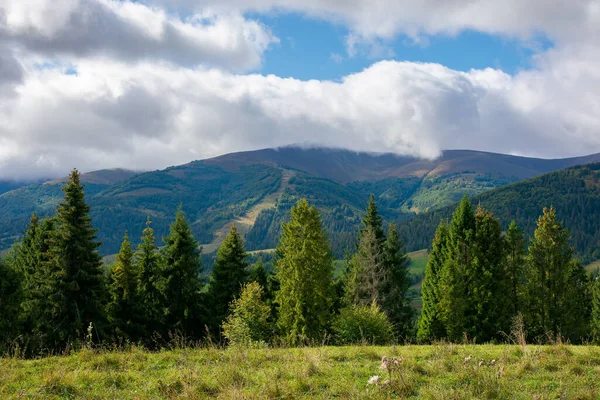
493 362
467 359
374 380
481 363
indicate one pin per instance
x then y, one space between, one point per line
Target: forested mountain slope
574 192
256 189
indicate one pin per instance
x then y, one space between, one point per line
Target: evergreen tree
181 282
367 270
31 261
555 291
305 271
595 318
394 290
10 297
488 308
147 262
454 277
515 263
125 309
258 273
431 326
373 219
77 292
248 323
228 275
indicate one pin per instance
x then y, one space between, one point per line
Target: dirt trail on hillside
245 222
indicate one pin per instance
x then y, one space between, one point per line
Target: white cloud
150 116
131 31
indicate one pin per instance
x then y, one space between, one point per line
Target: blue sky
311 48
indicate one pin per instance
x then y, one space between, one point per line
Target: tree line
56 293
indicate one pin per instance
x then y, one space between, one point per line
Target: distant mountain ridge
256 189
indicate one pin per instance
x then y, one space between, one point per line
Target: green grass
418 261
593 267
429 372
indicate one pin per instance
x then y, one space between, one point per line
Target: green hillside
574 192
255 190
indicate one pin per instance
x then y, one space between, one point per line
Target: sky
143 85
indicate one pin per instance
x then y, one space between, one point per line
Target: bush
362 324
248 325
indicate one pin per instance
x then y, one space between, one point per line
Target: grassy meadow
441 371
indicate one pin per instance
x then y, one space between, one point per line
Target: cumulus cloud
148 116
104 83
131 31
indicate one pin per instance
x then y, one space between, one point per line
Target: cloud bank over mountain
100 83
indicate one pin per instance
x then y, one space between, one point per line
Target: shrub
248 324
362 324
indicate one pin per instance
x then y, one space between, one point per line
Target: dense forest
56 294
573 192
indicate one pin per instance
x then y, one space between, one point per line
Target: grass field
429 372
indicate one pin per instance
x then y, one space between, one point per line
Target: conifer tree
258 273
453 277
304 269
488 308
228 275
181 281
125 309
147 262
248 324
77 296
394 290
373 219
367 270
515 263
10 296
595 318
555 291
431 326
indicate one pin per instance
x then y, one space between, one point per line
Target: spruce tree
125 309
488 308
258 273
515 263
10 297
454 277
228 275
555 290
367 270
393 292
181 281
304 269
148 262
431 326
595 317
373 219
77 294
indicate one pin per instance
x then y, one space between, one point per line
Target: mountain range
256 189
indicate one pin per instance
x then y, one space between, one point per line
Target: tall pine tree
181 281
77 294
304 269
148 262
515 264
431 326
454 277
556 287
125 308
394 291
228 275
367 270
373 219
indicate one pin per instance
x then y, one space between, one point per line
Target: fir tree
373 219
488 309
10 297
454 279
555 290
258 273
147 262
431 326
515 263
77 294
181 282
595 317
125 309
305 271
394 290
228 275
367 269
